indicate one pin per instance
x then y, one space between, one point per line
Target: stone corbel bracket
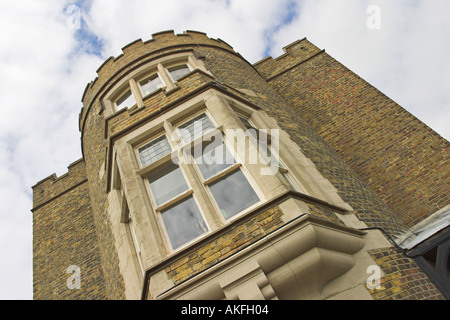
296 261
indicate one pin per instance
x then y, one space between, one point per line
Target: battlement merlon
53 186
294 53
140 51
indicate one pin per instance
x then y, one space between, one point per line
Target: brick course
64 234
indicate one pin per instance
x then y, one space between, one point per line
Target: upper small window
178 71
150 84
125 100
136 85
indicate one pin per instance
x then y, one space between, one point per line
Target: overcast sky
50 50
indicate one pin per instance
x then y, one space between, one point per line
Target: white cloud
236 20
40 91
45 65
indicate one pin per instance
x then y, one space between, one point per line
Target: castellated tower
206 177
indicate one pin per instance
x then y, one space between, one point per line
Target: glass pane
195 128
167 183
213 157
233 194
183 222
155 150
178 71
126 100
151 84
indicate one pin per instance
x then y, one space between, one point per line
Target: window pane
155 150
213 157
151 84
183 222
126 100
233 194
178 71
195 128
167 183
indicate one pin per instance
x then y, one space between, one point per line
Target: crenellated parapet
294 53
53 186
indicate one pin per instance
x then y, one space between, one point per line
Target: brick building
347 196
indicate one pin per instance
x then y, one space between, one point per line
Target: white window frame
171 128
238 165
158 164
146 76
120 95
173 65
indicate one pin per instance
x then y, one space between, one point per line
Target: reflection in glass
125 100
233 194
183 222
178 71
151 84
167 183
213 157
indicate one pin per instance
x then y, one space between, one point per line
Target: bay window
171 195
202 150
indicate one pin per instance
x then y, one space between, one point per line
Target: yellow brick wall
403 279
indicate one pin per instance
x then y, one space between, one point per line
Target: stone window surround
160 67
291 180
210 212
148 232
126 225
